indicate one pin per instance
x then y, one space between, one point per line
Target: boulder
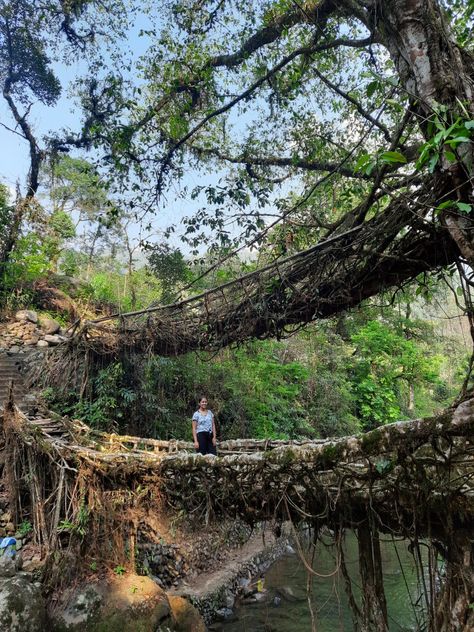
26 315
50 326
42 343
127 603
186 616
22 608
7 566
52 340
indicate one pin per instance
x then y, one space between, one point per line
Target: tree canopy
321 113
340 122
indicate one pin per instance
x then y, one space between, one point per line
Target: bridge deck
400 469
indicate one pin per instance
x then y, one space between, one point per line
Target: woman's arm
214 430
196 443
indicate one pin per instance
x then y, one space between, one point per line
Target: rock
260 596
27 315
186 616
287 593
7 566
224 614
82 608
42 343
229 600
127 603
30 342
50 326
52 340
14 349
22 608
276 600
33 565
244 582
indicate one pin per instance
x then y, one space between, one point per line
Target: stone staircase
10 372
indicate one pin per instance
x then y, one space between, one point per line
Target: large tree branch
246 94
306 164
294 162
315 15
336 274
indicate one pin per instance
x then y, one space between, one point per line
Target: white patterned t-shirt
203 421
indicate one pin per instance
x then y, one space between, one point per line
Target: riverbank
214 593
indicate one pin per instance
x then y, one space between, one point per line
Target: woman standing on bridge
204 429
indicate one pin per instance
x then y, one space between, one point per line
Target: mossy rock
127 603
186 616
22 608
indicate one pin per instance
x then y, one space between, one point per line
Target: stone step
9 373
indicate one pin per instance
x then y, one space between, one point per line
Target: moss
331 454
285 458
119 623
371 440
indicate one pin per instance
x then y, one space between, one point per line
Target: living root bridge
92 492
333 275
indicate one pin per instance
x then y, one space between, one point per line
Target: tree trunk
13 233
411 397
435 71
374 605
453 608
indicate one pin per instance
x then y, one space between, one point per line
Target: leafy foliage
384 360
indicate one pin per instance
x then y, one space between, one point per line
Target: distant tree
169 266
32 37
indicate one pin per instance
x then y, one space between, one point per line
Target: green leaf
371 88
383 466
452 142
446 204
469 124
392 156
450 156
365 163
433 162
463 207
398 106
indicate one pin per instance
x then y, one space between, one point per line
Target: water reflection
283 606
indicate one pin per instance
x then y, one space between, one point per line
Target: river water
283 602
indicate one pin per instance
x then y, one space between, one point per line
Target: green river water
284 606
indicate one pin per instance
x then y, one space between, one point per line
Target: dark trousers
205 443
